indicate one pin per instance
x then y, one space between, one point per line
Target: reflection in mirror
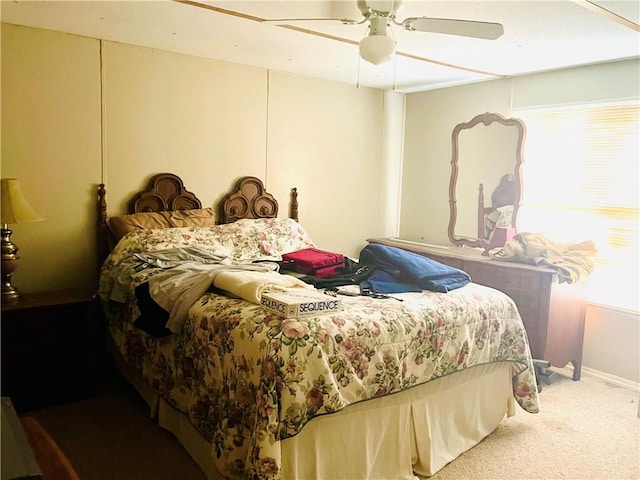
487 158
500 213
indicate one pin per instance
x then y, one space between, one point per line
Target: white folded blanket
250 285
177 288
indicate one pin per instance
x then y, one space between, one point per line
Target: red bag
313 261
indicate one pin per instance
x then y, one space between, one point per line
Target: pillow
124 224
241 241
199 217
265 237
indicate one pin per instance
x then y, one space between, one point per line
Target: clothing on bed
144 253
178 288
181 278
153 318
117 286
398 270
250 285
353 273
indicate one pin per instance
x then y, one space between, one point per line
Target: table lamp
15 209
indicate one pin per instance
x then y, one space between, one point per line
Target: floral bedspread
248 379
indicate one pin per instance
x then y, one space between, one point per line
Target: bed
387 388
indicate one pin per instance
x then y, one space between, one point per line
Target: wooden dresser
553 313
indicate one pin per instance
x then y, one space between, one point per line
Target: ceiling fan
378 46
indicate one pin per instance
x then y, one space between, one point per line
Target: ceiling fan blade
465 28
284 21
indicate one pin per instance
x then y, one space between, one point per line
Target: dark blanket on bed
153 318
398 270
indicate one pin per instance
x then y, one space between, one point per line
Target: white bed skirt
408 435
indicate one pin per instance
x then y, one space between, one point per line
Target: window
581 182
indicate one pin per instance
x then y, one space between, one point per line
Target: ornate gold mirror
486 161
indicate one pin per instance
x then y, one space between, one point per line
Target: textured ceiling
538 35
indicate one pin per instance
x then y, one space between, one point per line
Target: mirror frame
486 119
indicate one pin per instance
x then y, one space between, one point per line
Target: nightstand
46 346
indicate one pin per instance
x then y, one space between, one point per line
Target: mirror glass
485 186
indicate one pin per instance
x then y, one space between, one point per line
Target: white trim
607 377
615 308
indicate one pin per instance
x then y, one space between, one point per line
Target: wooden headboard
166 192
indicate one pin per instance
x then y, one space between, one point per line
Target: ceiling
538 35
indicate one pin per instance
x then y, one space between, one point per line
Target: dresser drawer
451 261
503 279
58 331
45 349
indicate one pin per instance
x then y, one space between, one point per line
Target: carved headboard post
293 210
103 230
481 211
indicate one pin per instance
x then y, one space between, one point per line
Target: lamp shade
15 208
377 49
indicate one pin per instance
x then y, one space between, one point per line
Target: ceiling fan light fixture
377 49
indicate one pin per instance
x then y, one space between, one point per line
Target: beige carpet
110 436
586 430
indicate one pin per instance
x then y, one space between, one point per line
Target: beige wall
612 342
612 337
165 112
209 122
51 143
325 139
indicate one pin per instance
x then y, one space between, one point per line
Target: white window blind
581 182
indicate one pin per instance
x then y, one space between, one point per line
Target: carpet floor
586 430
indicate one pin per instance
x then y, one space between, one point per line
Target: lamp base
9 265
9 293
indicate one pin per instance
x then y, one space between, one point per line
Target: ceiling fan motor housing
387 8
